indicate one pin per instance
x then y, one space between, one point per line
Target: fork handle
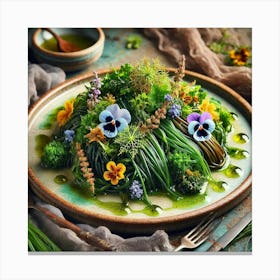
179 248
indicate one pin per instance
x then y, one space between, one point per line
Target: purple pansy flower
69 135
136 190
200 126
113 120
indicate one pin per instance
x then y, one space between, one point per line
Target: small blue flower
69 135
113 120
200 126
168 98
136 191
174 111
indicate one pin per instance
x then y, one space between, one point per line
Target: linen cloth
194 44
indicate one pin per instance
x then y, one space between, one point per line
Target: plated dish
141 147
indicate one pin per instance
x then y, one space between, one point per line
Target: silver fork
198 234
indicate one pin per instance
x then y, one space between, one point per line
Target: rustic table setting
117 51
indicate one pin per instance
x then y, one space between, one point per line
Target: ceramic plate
108 210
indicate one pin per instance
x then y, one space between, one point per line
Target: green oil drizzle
218 186
80 41
41 141
233 171
188 201
60 179
82 196
50 119
152 210
237 153
241 138
234 116
117 208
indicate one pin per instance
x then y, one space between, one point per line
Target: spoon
63 45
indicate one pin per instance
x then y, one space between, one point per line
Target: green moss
54 155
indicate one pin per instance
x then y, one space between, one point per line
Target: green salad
138 131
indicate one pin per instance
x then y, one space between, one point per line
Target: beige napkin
194 44
41 78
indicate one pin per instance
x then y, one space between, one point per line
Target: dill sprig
130 141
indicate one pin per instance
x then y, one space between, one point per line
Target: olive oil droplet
234 115
237 153
233 171
60 179
219 186
241 138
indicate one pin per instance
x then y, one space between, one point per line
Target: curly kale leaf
118 81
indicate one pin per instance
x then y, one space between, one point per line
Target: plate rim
140 224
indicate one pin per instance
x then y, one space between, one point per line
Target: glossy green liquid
237 153
81 196
233 171
60 179
219 186
241 138
80 41
41 141
234 116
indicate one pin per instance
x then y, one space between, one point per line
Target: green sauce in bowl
80 41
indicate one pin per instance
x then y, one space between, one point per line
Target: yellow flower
95 135
114 172
239 57
64 115
206 106
111 98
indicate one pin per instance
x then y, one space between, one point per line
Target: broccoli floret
186 181
178 163
191 182
54 155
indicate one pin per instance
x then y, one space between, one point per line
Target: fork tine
200 231
204 233
197 229
201 241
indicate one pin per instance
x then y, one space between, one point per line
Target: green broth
80 196
41 141
80 41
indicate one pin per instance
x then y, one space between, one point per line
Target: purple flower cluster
69 135
136 190
95 86
174 111
168 98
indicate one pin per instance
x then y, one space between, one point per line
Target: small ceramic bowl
72 61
